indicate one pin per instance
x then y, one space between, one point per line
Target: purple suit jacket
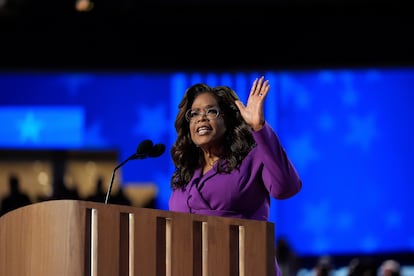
245 193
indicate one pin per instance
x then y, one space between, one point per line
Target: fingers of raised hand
260 87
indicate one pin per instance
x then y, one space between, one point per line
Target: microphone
157 150
145 149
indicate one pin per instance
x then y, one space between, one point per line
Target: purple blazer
266 171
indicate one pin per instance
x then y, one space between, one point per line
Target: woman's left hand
252 113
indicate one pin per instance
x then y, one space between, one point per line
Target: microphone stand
144 150
134 156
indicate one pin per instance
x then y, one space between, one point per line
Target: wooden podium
75 238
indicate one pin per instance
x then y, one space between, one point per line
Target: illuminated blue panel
348 132
41 126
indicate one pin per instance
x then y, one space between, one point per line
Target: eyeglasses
193 114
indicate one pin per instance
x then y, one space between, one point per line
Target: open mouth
202 130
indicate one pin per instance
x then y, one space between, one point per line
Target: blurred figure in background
16 198
324 267
286 257
362 267
389 268
61 191
99 194
121 198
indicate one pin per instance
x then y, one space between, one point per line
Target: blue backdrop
349 133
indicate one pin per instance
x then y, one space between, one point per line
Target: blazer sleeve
279 174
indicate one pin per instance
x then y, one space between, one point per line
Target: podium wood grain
75 238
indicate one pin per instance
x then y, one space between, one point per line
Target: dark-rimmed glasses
211 113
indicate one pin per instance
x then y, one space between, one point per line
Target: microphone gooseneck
145 149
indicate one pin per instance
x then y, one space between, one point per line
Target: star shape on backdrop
345 221
373 76
326 77
151 121
73 82
350 97
30 128
302 152
393 219
362 131
316 216
325 122
93 135
294 91
321 243
369 243
302 100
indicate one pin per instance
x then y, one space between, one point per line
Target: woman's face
206 122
